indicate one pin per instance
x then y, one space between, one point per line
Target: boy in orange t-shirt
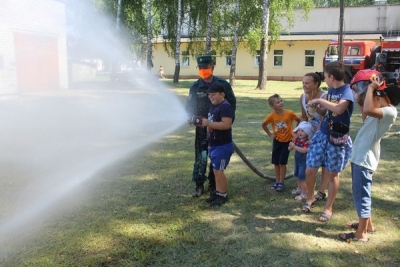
281 121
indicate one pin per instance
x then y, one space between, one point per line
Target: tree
235 43
262 71
178 43
271 29
209 26
149 35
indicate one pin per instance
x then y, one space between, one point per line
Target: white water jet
53 142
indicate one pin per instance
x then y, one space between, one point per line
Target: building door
36 62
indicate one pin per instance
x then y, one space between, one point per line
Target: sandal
320 196
274 186
324 217
307 208
354 225
351 237
280 187
301 197
296 191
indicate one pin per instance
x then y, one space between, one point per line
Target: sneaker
198 191
296 191
212 197
219 200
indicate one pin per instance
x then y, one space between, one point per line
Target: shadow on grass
140 212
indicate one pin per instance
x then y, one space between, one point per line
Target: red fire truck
359 55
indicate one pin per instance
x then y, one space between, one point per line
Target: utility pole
341 18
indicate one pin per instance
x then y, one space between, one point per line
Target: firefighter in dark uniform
198 104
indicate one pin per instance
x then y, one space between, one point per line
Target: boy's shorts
280 152
220 156
361 187
321 153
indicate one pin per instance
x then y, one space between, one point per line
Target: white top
367 145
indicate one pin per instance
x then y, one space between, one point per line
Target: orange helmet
360 81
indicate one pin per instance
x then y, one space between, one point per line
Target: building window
257 59
309 58
278 58
228 58
185 59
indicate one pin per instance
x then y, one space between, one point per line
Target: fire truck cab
360 55
356 54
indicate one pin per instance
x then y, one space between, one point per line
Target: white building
301 49
33 52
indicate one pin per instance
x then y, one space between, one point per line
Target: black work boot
198 191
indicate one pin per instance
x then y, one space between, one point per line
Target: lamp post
341 18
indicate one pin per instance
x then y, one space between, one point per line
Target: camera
197 120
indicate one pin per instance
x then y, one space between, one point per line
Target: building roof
322 37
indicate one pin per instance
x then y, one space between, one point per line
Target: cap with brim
204 61
306 127
216 88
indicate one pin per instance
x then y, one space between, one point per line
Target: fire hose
197 121
254 169
269 177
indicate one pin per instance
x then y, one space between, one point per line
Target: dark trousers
200 159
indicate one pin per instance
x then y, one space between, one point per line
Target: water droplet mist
54 141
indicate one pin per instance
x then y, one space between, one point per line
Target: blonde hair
272 98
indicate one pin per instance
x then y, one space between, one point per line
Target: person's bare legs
324 181
362 230
333 178
221 182
282 173
370 227
302 186
310 184
277 170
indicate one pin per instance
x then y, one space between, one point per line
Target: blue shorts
321 153
220 156
280 152
361 186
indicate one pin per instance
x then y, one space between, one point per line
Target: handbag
338 133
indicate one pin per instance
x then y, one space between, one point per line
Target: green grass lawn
140 212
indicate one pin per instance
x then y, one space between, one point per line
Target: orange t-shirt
282 124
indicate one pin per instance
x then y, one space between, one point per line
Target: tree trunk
178 43
262 75
235 45
209 26
149 44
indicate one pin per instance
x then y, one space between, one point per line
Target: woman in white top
311 84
